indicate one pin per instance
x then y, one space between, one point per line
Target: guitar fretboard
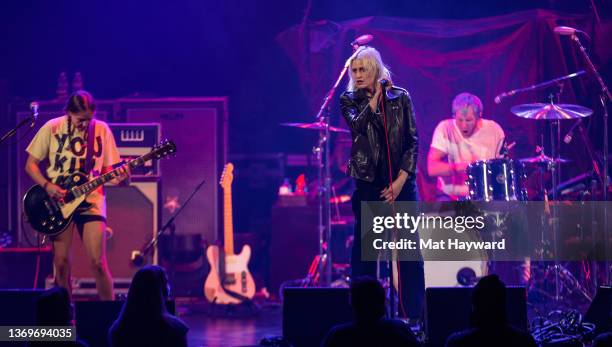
90 186
228 221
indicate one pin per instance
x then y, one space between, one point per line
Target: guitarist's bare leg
61 258
94 240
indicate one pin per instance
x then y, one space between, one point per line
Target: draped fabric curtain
436 59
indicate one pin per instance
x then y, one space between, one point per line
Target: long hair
80 101
373 63
146 300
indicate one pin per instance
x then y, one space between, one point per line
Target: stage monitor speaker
198 127
439 301
26 237
309 313
600 311
18 307
18 267
94 318
132 221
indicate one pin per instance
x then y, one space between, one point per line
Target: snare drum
496 179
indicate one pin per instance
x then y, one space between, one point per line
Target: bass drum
440 273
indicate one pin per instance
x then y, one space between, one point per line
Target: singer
65 142
460 141
381 172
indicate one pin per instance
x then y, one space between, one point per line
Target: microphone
384 82
137 258
570 134
561 30
498 99
362 40
34 110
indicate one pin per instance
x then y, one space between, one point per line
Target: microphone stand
138 259
31 119
539 85
604 97
324 174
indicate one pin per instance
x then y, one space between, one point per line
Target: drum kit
504 179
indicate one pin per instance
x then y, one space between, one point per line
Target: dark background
199 48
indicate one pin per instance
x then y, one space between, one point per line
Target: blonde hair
465 101
372 62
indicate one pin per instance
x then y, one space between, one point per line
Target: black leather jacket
367 129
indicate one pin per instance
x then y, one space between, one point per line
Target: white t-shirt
67 154
485 143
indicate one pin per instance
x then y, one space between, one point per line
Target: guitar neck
92 185
228 221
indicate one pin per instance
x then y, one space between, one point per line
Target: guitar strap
91 135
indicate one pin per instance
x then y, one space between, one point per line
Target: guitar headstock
227 176
163 149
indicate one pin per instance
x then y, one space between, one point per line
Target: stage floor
223 328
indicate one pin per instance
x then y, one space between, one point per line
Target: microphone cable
399 276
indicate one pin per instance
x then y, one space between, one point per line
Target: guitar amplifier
136 139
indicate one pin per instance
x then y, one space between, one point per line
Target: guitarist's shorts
86 218
81 219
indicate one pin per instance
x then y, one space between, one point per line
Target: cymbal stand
604 97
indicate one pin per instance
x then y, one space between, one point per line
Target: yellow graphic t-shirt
66 154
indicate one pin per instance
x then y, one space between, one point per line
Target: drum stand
560 272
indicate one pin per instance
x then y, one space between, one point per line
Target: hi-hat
315 126
542 159
551 111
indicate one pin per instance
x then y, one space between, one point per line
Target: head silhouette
147 295
489 302
367 299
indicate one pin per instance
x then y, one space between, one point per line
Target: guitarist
63 142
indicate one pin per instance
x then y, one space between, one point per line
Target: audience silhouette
144 319
54 308
490 327
369 326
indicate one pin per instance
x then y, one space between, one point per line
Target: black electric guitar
51 217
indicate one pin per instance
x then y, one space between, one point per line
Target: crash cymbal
315 126
551 111
542 159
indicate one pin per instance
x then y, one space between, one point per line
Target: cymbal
315 126
551 111
542 159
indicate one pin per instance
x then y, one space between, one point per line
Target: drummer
460 141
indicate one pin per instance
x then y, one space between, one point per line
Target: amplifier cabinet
198 127
132 221
136 139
